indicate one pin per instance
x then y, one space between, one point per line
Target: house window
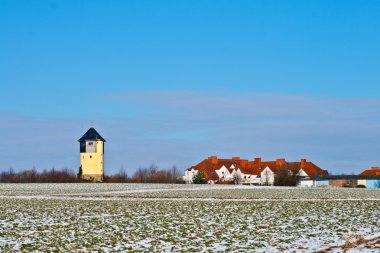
90 156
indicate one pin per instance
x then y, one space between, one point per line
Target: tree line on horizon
151 174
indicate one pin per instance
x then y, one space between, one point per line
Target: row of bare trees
33 176
151 174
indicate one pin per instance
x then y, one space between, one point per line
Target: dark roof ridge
91 134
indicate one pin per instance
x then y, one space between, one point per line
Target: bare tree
286 176
265 177
237 178
120 177
123 175
175 174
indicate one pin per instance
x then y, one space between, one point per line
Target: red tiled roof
313 170
208 166
374 171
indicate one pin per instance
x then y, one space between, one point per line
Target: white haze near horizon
182 128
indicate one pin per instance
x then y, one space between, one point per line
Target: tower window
90 156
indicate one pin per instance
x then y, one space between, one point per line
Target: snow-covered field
183 218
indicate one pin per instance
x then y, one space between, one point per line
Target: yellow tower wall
93 163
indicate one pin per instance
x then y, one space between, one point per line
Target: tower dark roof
91 134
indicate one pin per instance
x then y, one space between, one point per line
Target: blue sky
172 82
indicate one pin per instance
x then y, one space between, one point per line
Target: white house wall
189 174
252 179
267 177
306 183
223 173
362 182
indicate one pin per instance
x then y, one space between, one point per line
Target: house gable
302 173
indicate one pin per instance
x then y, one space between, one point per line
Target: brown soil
373 243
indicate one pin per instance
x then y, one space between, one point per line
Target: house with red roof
374 171
367 179
370 178
255 172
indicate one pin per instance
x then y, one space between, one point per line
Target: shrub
199 178
286 176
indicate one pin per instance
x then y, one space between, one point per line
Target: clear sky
172 82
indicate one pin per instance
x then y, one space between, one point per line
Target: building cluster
259 172
234 170
256 172
367 179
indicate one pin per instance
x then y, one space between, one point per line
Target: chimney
280 161
213 159
375 168
303 163
236 158
258 161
